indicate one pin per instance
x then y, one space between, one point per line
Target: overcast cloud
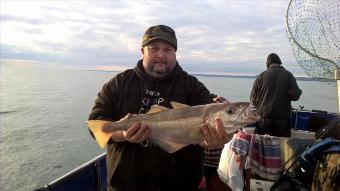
224 37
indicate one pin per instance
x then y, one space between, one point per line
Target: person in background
271 95
134 163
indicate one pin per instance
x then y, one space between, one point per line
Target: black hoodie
133 91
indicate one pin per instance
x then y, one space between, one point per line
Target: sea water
43 133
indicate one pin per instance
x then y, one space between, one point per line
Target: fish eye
230 111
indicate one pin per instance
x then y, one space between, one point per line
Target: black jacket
133 91
273 91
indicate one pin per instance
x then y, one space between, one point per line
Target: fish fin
97 127
177 105
156 109
167 145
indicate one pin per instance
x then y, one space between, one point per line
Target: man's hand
135 134
215 136
219 99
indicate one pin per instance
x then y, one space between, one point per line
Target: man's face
159 58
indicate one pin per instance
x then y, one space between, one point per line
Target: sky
214 36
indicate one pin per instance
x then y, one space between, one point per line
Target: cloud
224 36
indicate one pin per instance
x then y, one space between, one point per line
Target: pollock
173 129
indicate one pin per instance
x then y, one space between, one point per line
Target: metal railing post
337 78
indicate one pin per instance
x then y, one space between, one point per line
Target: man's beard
157 74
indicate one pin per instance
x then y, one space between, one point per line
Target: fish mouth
250 116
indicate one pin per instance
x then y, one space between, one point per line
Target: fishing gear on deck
307 160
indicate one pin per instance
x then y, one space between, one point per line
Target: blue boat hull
90 176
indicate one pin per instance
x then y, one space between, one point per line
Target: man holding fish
152 147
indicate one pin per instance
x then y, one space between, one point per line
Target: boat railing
306 119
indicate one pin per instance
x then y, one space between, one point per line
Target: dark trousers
278 127
153 169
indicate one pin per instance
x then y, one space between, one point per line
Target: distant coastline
237 76
253 77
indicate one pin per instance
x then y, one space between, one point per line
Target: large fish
173 129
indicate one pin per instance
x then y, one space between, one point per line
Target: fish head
237 115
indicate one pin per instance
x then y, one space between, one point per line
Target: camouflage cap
160 32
